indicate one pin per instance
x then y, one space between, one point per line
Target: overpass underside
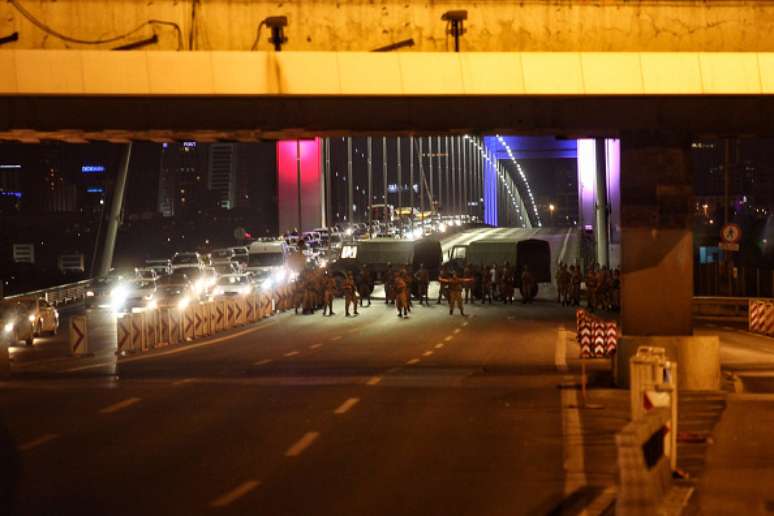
162 96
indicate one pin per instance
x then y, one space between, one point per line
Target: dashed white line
439 345
119 406
315 346
291 353
427 353
413 361
465 324
374 380
43 439
456 331
344 407
184 381
235 494
263 362
302 444
337 337
448 339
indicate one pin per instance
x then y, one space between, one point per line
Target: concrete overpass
362 25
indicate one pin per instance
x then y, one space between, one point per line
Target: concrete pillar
350 193
116 205
600 205
657 262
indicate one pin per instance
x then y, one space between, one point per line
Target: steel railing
721 309
59 295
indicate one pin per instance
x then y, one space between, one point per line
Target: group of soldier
603 286
317 288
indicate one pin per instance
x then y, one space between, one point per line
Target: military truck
377 254
534 253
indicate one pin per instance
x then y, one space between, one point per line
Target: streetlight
551 209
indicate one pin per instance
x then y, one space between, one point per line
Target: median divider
170 325
78 335
761 317
598 338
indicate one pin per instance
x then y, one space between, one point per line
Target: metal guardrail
59 295
721 309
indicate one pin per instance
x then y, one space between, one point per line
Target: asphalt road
300 415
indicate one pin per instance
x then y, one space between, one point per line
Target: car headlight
267 284
183 303
442 228
418 232
31 317
89 293
118 295
152 305
8 328
245 290
323 263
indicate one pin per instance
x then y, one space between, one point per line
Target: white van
266 257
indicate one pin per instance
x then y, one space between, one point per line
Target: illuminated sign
18 195
92 169
95 189
10 166
189 144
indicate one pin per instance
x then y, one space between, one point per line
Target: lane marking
183 381
337 337
315 346
263 362
115 407
427 353
560 353
374 380
456 331
43 439
439 345
465 324
291 353
344 407
235 494
182 349
302 444
413 361
448 339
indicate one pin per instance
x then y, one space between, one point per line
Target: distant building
182 177
222 173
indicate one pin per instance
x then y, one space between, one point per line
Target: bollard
207 317
138 333
220 315
123 333
265 305
79 335
213 317
250 308
198 320
230 314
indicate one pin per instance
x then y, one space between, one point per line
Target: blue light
189 144
92 169
18 195
95 189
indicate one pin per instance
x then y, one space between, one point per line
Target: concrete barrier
644 469
151 328
78 335
123 333
187 318
175 325
698 356
138 333
654 385
219 315
230 314
163 330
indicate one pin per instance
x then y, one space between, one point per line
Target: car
173 292
227 268
98 294
131 294
220 256
186 259
233 285
162 267
146 273
26 319
241 254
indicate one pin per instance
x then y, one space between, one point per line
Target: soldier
507 285
388 279
401 295
350 294
442 284
591 287
298 294
365 285
423 283
528 286
575 285
409 281
467 275
329 295
563 284
454 287
486 285
478 283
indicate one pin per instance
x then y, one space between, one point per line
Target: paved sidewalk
739 475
